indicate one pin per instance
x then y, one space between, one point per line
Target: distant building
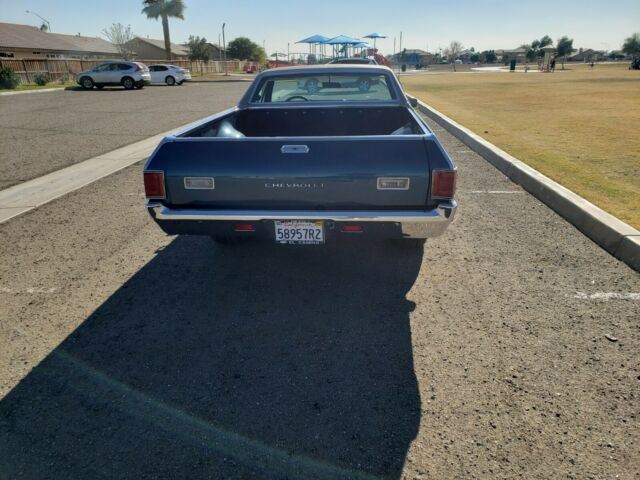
24 41
519 54
586 55
152 49
412 56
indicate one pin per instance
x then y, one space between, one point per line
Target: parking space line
607 296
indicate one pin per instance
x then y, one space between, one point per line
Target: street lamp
41 18
224 50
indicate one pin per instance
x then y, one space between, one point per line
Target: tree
631 45
453 51
44 27
488 56
242 48
123 38
199 50
164 9
564 48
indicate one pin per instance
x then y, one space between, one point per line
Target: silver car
127 74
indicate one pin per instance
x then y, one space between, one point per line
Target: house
412 56
25 41
586 55
519 54
152 49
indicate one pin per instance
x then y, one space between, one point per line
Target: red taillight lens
138 67
244 227
154 185
443 184
351 228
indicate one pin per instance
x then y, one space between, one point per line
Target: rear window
335 87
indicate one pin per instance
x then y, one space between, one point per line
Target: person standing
553 64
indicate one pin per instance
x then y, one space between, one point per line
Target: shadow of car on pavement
254 361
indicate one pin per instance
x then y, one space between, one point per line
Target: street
507 348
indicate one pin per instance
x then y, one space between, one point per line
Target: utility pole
287 53
224 50
41 18
400 41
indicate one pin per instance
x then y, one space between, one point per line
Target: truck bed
312 122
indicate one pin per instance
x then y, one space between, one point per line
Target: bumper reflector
351 228
244 227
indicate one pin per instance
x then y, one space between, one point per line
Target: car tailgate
283 173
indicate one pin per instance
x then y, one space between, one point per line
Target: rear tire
170 80
128 83
86 83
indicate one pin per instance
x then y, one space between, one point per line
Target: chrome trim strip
444 213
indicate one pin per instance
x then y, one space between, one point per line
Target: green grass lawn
26 87
580 127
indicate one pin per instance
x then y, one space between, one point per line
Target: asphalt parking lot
129 354
65 127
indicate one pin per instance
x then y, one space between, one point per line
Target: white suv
127 74
169 74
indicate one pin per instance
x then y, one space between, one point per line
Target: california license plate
299 232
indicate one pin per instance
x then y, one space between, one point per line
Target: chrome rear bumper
414 223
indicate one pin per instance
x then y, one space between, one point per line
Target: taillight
138 67
443 183
154 185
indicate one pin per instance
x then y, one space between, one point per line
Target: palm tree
164 9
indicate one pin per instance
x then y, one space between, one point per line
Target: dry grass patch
580 127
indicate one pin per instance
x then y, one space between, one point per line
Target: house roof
176 49
13 35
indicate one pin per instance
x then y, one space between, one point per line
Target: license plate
299 232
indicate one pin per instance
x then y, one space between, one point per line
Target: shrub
64 78
41 79
8 78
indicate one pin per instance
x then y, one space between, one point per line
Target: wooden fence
60 69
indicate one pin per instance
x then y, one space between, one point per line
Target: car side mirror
413 102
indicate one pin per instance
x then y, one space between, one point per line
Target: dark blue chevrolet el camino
310 155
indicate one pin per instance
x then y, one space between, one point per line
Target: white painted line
29 290
607 296
42 90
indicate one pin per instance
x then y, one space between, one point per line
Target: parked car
306 168
128 74
354 61
169 74
635 64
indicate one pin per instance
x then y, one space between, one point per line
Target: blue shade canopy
342 40
314 39
362 45
375 35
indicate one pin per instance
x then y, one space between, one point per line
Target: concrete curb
41 90
611 233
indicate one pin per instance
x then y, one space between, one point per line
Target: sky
425 24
